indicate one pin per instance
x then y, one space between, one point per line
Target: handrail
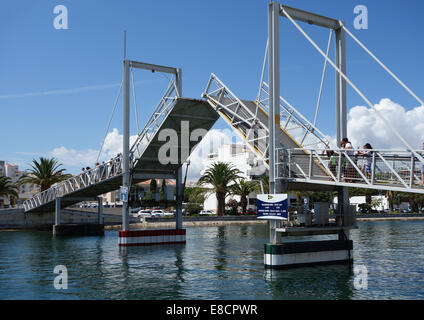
113 167
95 175
395 170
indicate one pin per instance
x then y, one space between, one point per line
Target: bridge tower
138 237
338 250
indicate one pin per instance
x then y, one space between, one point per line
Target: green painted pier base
298 254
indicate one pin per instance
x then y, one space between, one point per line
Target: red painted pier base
151 237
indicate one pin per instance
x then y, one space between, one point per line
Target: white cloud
209 144
365 126
87 158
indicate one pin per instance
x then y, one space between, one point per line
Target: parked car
206 212
144 213
169 213
158 213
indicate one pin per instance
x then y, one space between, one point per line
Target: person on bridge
349 172
332 161
366 167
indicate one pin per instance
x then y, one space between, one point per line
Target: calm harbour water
216 263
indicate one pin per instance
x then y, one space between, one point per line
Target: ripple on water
224 262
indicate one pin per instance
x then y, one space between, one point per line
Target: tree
243 188
193 208
233 204
264 181
194 195
220 175
44 173
7 188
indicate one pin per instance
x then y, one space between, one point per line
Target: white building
25 191
242 158
380 203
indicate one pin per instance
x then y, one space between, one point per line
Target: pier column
57 212
274 92
274 236
100 209
179 198
126 145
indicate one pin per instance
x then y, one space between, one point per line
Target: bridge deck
302 161
146 164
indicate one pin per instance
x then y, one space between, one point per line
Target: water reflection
221 253
215 263
319 282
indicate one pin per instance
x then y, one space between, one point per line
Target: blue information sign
272 206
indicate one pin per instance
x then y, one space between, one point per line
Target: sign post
273 207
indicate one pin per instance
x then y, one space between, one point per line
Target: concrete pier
151 237
298 254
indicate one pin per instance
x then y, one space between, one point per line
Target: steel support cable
135 101
110 120
322 78
383 66
263 71
420 158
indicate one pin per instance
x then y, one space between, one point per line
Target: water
216 263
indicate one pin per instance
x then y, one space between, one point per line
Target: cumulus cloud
209 144
83 158
77 159
365 126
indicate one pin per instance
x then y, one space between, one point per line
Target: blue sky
57 87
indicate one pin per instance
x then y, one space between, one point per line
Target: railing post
412 174
373 168
310 164
289 161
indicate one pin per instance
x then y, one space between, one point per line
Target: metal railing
245 120
152 126
294 123
93 176
113 167
396 170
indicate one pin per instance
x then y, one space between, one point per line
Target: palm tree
264 181
220 175
7 188
243 188
44 173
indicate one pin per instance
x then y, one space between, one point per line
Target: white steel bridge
302 158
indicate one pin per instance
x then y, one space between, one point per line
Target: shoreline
190 222
211 223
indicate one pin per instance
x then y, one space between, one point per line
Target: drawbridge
303 154
174 117
303 158
296 152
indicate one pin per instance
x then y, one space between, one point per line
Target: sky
58 86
